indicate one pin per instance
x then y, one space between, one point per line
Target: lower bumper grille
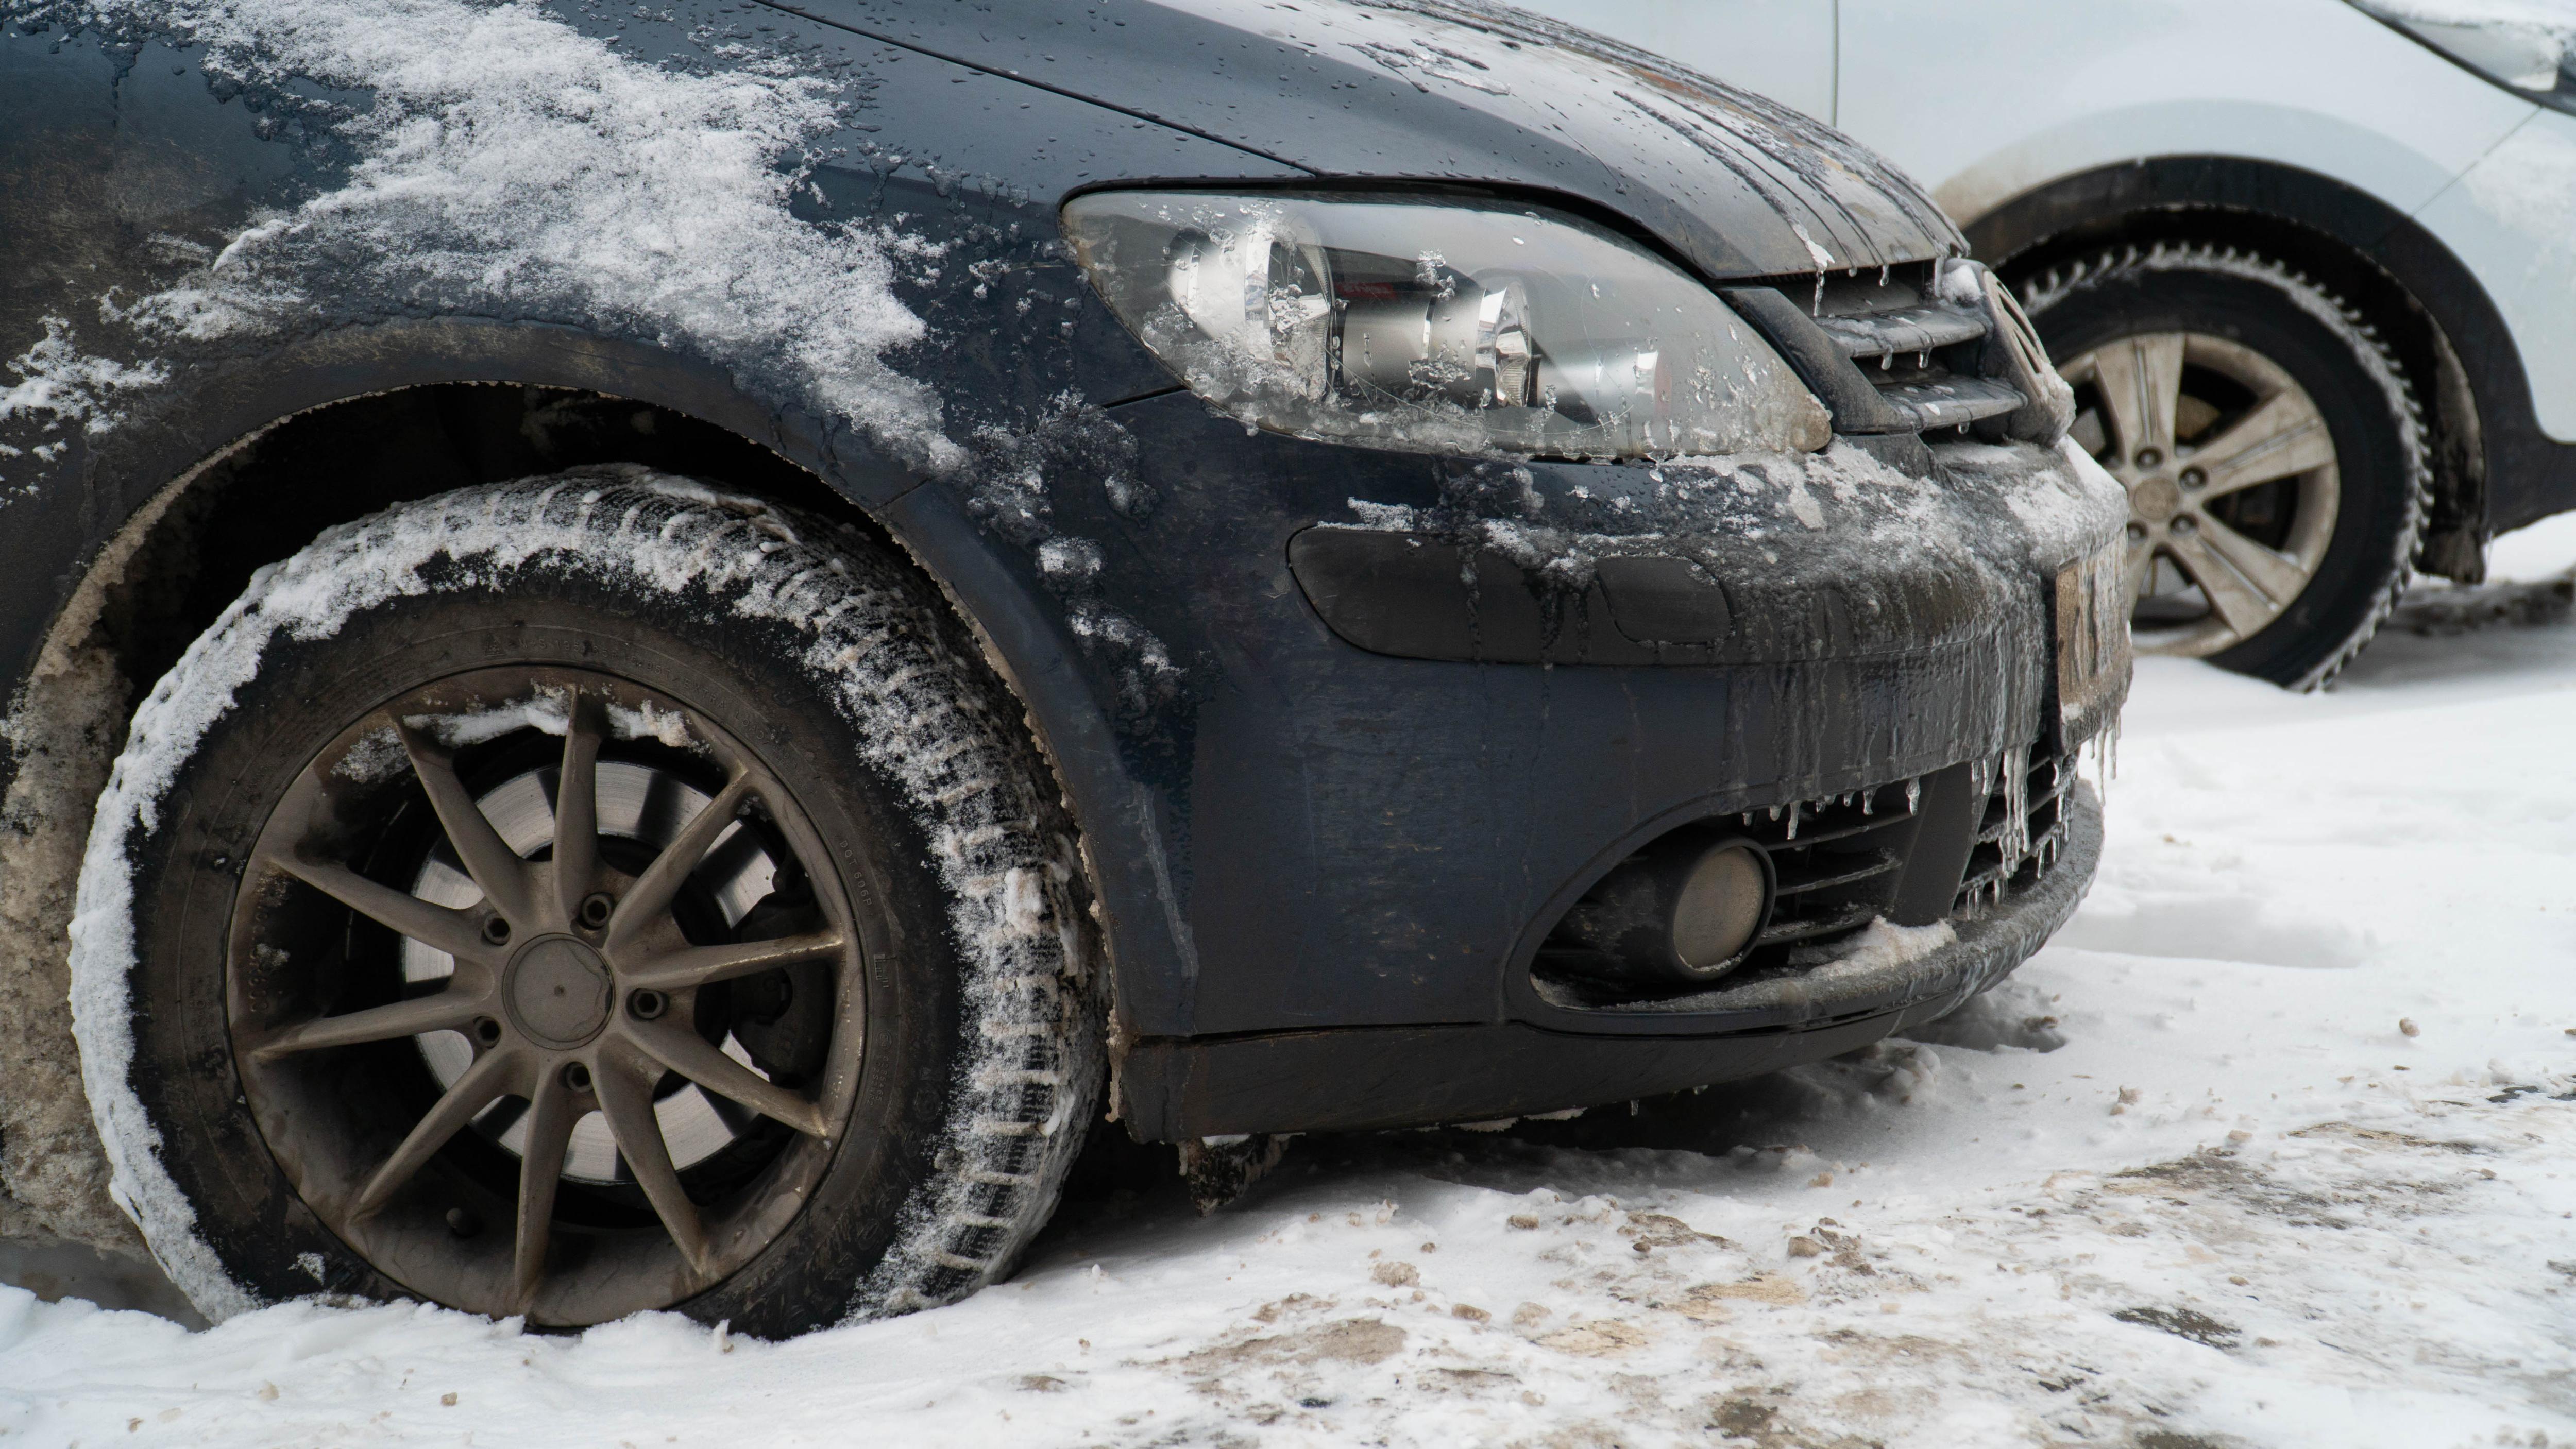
1833 859
1958 844
2022 833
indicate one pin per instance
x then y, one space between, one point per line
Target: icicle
1913 794
1793 820
1868 799
1882 274
1775 812
2104 747
2015 765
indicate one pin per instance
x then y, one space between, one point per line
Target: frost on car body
1651 485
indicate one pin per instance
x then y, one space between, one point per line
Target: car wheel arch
154 489
2445 330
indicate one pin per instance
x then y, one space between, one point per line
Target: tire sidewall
749 675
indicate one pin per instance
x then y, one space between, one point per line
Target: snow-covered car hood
1458 91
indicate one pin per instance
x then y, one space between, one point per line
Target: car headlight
2527 48
1438 326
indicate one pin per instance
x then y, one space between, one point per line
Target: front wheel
582 896
2273 453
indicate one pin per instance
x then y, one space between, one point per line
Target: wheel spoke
577 809
653 892
2239 604
626 1099
2279 578
442 1011
2140 379
493 1075
705 965
2140 568
687 1053
550 1121
439 927
2282 437
486 856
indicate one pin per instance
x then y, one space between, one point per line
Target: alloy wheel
2232 481
544 947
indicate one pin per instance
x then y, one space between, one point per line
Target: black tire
909 787
2382 471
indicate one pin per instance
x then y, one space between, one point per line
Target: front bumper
1405 1076
1314 841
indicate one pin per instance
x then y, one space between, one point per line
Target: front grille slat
1782 931
1901 330
1908 349
1837 870
1951 401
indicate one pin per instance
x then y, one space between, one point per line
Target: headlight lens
1438 327
2529 48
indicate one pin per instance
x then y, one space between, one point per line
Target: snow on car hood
1458 91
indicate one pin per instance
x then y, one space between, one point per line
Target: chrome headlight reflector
1437 326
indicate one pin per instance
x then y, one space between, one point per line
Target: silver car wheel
2232 480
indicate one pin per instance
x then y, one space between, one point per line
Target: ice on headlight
1438 327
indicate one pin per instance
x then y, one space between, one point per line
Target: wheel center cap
2156 500
558 991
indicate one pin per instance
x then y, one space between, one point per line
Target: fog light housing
1681 912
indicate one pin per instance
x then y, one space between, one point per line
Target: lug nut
2193 477
576 1076
2137 532
596 908
487 1031
496 931
2149 457
462 1223
644 1003
2186 524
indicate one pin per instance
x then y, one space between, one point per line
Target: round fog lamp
1719 906
1678 914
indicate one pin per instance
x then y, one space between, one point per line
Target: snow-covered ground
2303 1171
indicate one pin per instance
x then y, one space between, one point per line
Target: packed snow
2271 1147
507 164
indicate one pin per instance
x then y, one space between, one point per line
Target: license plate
2092 641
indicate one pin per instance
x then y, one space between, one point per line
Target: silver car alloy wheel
2232 481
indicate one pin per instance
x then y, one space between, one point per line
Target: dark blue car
654 652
